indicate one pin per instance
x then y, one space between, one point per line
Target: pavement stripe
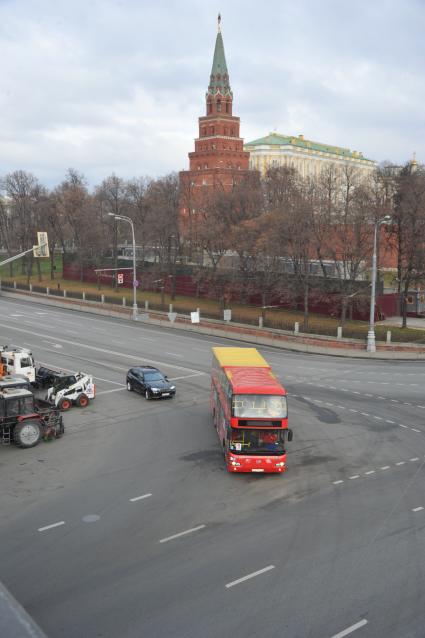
87 346
370 472
109 391
248 576
401 463
338 482
417 509
350 629
187 531
43 529
139 498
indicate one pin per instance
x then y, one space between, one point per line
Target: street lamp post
371 347
130 221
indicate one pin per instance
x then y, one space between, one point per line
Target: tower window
204 131
219 105
227 107
209 108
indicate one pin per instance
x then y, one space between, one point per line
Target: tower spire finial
219 23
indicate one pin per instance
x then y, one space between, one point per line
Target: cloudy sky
117 86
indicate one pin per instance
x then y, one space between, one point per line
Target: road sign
42 248
120 278
172 316
136 283
227 315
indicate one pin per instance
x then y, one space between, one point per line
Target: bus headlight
235 463
280 464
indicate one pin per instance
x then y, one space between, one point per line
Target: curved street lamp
124 218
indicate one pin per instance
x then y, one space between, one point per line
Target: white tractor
71 389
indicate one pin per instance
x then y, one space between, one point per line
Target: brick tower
219 157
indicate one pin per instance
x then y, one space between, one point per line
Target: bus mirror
290 435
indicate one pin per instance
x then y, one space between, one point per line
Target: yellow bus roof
241 357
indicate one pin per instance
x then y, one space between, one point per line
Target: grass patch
281 319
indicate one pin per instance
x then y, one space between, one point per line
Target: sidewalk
417 323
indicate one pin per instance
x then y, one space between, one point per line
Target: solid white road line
109 391
173 354
350 630
187 531
248 576
139 498
43 529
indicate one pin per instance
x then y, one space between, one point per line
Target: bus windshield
249 441
259 406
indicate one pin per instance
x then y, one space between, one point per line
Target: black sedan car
149 381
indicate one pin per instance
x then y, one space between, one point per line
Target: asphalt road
129 526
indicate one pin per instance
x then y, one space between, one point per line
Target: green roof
219 78
276 139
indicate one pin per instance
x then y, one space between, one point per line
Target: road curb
314 344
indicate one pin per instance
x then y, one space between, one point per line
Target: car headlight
172 387
155 389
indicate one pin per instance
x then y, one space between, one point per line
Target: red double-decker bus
250 411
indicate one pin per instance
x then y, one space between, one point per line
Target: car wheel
147 395
129 386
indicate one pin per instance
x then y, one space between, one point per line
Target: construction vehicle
66 390
25 420
17 361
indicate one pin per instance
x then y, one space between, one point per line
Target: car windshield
153 376
249 441
259 406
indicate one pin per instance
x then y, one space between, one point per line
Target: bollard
64 293
47 291
14 284
30 287
84 295
102 298
339 332
388 336
123 302
146 305
170 307
297 327
260 322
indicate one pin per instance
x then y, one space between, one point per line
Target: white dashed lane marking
46 527
417 509
139 498
187 531
249 576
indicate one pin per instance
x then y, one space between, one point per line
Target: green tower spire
219 78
